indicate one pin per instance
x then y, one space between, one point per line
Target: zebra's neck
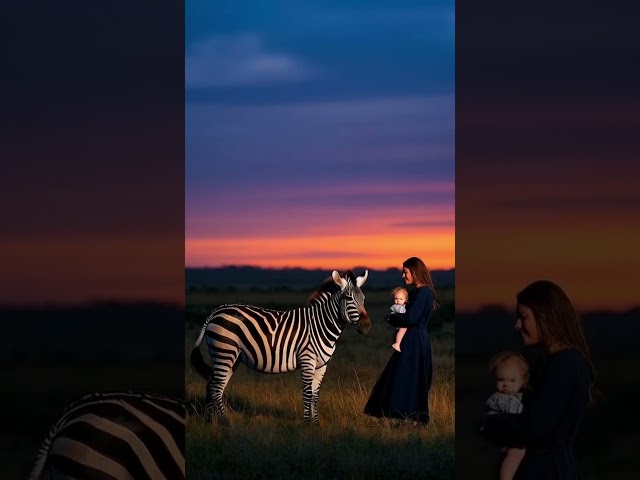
326 326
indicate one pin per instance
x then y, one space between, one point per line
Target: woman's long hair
421 274
557 320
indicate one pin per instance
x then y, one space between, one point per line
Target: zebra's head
352 299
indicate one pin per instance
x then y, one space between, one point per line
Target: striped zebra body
120 435
275 341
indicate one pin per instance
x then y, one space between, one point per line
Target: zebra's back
123 435
267 340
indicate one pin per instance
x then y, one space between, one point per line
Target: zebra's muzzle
364 324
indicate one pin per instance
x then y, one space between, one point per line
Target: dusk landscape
545 190
319 137
92 211
163 161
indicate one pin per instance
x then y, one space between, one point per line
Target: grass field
268 439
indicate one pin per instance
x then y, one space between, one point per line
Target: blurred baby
400 297
511 373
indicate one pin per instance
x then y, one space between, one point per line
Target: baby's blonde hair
400 289
509 356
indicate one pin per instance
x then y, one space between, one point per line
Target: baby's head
400 295
511 372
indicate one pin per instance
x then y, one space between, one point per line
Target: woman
555 406
402 391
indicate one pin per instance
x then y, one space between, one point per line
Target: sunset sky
546 158
319 134
93 158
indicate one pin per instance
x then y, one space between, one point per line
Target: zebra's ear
360 280
341 282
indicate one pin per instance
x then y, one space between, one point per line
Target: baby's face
399 298
509 378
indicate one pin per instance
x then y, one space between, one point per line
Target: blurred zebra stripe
120 435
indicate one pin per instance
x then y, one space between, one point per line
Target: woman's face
527 326
406 275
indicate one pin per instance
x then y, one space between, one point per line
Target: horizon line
170 305
307 268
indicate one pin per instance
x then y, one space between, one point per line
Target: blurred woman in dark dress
402 391
555 406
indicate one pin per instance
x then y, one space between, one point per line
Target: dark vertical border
547 127
92 209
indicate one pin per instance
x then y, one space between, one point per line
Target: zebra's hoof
221 421
310 423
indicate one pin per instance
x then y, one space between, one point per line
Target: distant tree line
290 279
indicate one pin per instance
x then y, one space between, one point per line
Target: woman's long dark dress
549 423
402 391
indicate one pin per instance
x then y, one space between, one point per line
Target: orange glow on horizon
591 265
78 270
381 251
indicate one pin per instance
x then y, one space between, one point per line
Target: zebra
118 435
275 341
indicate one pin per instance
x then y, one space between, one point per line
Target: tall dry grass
269 440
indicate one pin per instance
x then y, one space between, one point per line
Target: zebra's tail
199 365
197 360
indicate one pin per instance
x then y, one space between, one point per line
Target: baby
400 296
511 373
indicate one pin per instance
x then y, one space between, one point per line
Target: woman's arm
504 429
564 389
421 306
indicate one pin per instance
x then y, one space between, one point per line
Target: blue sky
337 106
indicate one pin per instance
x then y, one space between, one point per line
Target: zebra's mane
328 288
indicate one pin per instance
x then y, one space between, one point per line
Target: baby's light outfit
504 403
395 308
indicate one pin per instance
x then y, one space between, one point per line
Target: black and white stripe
275 341
123 436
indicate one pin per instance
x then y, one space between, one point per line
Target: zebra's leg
308 372
223 367
224 357
315 392
214 401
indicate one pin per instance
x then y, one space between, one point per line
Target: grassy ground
268 438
